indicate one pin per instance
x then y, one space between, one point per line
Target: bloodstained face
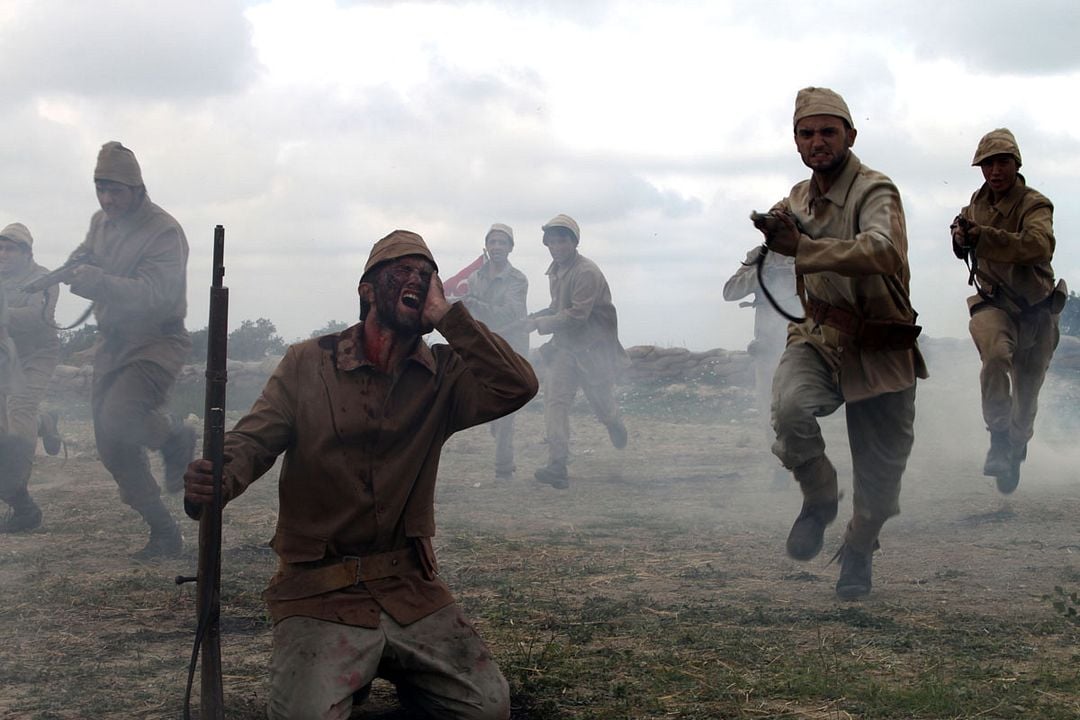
823 142
1000 172
401 289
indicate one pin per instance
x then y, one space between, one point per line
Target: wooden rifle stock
208 579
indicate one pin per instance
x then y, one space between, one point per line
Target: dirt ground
656 586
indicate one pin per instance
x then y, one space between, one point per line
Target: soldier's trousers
564 376
439 663
19 422
503 432
127 406
880 429
1016 353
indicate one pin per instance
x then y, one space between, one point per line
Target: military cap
820 101
563 221
398 244
505 229
18 233
997 142
116 163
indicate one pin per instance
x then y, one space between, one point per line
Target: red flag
458 286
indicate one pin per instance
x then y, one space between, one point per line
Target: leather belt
302 582
868 334
837 318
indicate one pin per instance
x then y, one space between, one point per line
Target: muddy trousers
439 664
127 420
563 378
1015 353
503 432
880 431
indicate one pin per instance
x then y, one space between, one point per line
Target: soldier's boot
617 432
856 558
817 479
25 514
554 474
16 463
49 432
176 452
165 538
999 456
1010 480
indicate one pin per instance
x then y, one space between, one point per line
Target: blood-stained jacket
140 295
361 454
852 255
1015 245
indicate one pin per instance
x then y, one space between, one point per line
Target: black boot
554 474
49 432
177 451
165 538
617 432
999 456
817 479
25 515
855 571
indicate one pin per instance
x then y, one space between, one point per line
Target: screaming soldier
361 417
32 328
136 275
845 228
770 327
1006 234
584 350
496 297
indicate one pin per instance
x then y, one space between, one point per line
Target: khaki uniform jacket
1016 243
362 454
853 255
11 376
140 301
499 301
32 317
582 318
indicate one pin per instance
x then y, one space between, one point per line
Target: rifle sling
339 573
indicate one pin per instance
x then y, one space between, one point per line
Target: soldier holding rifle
845 228
361 417
133 266
1006 234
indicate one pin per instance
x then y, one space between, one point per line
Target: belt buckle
346 559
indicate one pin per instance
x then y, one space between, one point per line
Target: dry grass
655 587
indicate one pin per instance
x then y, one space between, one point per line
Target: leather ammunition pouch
1058 297
868 334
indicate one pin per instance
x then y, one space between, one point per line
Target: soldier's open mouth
411 300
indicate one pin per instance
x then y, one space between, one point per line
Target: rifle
60 274
208 577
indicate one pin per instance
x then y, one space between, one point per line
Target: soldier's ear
366 291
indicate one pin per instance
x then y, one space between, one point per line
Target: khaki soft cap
563 221
18 233
396 245
118 164
501 228
820 101
997 142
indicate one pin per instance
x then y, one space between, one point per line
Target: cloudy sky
310 128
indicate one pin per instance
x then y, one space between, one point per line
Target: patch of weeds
1066 604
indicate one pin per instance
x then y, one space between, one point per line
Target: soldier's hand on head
436 304
199 482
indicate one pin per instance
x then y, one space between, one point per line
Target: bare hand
436 304
199 482
780 231
964 233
